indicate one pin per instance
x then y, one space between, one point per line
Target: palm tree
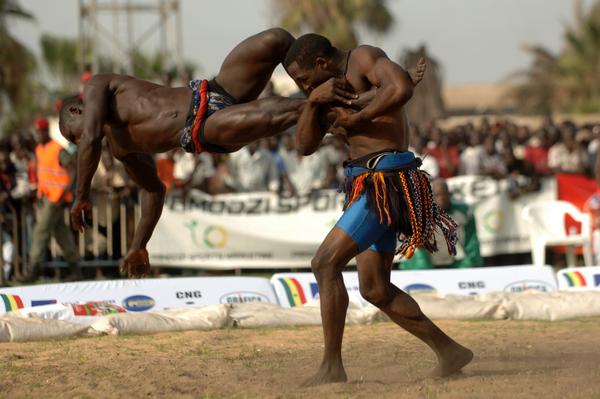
537 90
60 56
427 103
579 64
17 61
335 19
569 81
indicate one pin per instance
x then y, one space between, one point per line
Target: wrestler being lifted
139 118
389 206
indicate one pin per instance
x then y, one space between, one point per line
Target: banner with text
296 289
263 230
140 295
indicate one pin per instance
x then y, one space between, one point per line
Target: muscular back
140 116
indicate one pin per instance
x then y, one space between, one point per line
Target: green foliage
18 63
335 19
10 9
569 81
60 56
154 67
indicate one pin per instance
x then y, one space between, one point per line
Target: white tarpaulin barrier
82 313
207 318
258 230
295 289
528 305
141 295
579 278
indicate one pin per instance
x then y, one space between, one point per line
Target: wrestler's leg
235 126
374 268
248 67
356 230
327 265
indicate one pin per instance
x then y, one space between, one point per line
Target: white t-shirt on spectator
254 172
429 165
493 162
593 147
471 160
559 157
335 157
185 164
305 173
23 187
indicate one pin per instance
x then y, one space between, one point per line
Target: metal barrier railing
112 217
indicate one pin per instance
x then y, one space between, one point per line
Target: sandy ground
514 359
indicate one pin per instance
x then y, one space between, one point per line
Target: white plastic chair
546 225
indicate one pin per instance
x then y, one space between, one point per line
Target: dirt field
513 360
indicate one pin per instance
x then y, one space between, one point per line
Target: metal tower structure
151 17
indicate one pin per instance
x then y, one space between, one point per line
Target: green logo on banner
213 236
493 220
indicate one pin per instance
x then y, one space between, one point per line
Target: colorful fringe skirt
400 193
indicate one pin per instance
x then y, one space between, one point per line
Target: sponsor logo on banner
295 293
419 288
314 290
520 286
213 236
138 303
493 220
575 279
11 302
96 309
597 280
196 294
469 285
42 302
243 297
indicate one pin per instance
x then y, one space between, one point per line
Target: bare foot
450 362
326 375
417 72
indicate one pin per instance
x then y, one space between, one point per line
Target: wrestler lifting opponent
388 199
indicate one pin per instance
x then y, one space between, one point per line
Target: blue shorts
362 225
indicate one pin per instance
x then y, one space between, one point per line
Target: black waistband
362 161
217 88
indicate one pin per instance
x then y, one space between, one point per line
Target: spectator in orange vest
54 175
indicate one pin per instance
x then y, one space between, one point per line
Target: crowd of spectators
498 149
271 164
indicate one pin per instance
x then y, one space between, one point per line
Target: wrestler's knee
326 263
278 39
376 294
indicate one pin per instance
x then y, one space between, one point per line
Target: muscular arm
90 145
142 170
316 120
309 131
394 85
